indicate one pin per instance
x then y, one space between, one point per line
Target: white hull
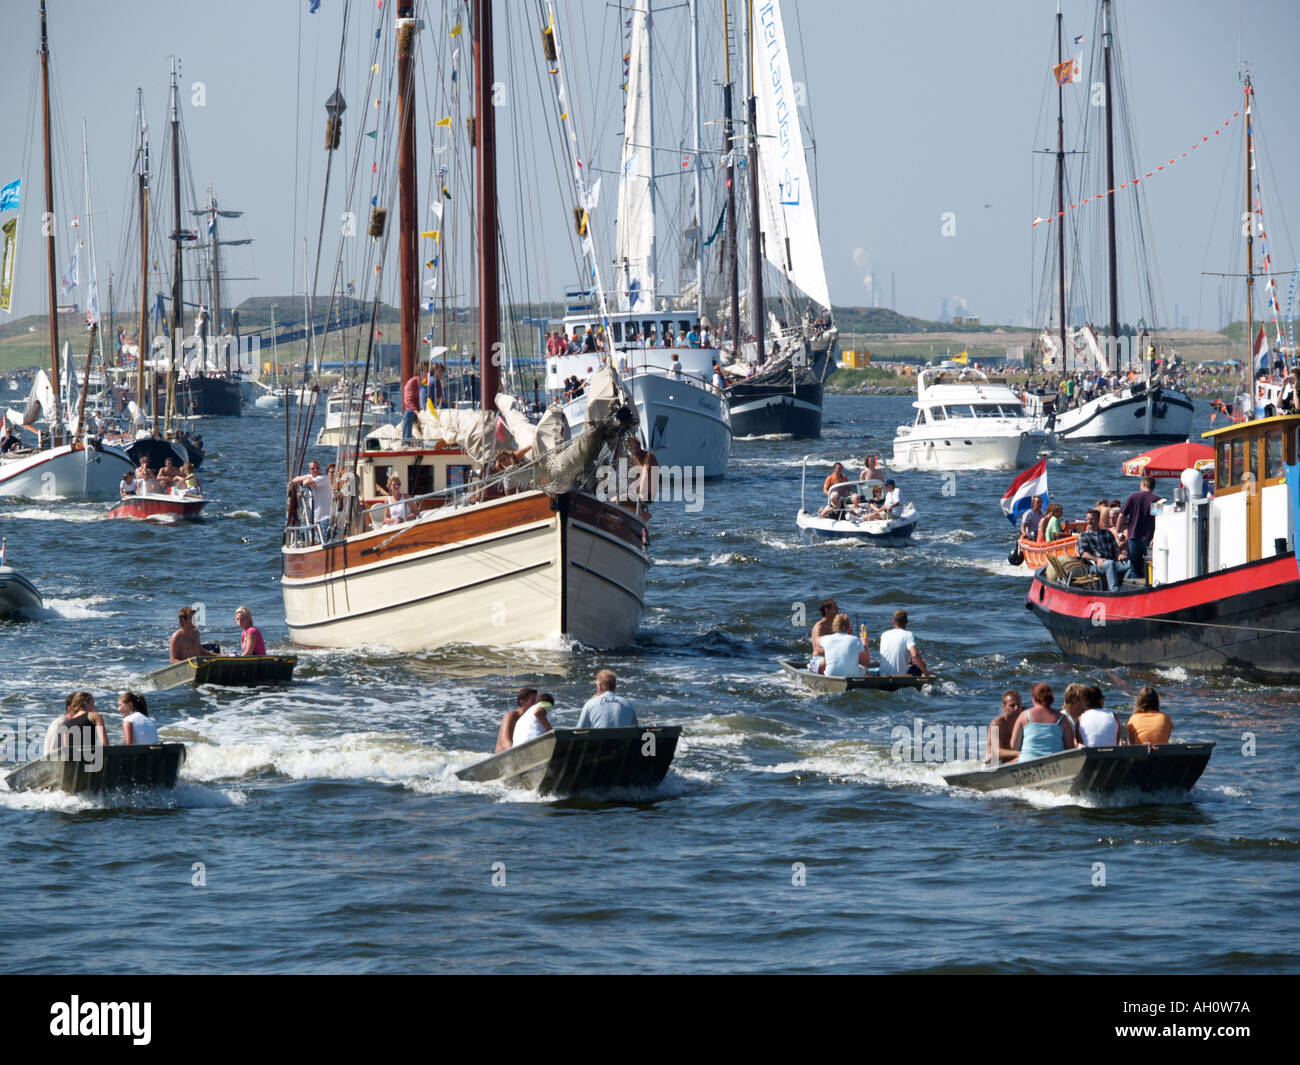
334 435
1124 416
67 472
685 423
813 528
922 449
531 574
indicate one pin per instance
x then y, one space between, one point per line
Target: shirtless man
823 627
999 750
186 641
835 497
506 734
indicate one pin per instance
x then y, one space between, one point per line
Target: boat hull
1241 621
1160 416
156 507
18 595
888 682
215 396
956 450
813 529
520 568
1170 767
780 407
570 761
229 671
70 471
138 766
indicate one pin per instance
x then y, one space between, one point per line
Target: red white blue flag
1020 496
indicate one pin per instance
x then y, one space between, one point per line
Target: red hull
145 508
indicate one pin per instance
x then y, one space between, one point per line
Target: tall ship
1129 402
1224 586
503 529
777 370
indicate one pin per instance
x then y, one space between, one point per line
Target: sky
926 116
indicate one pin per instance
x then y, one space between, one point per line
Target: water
335 837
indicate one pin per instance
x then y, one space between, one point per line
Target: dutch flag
1019 497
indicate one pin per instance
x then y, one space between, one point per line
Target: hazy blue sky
919 109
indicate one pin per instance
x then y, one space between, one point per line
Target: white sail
635 256
790 224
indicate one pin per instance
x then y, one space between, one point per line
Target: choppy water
334 835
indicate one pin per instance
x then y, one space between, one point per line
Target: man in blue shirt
606 709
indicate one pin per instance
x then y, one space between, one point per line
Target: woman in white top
533 722
137 725
1098 727
399 508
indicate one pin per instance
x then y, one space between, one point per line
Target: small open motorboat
138 766
231 671
873 681
1168 767
150 507
855 525
18 596
565 760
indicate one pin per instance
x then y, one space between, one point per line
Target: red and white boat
148 506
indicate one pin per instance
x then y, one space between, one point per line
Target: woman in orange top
1148 725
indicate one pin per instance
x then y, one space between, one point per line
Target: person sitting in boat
399 507
10 441
1099 546
1074 703
186 642
1148 723
80 731
146 483
1040 730
168 476
999 750
188 482
250 640
821 628
524 698
533 721
1032 520
1051 527
137 726
607 709
898 651
876 504
127 487
890 507
1098 727
845 655
837 488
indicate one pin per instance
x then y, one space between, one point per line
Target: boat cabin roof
1251 427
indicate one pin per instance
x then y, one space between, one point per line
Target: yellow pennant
432 234
455 31
444 121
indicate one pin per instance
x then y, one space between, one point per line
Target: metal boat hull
229 671
888 682
521 568
1169 767
138 766
569 761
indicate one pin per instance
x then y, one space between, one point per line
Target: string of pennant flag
1134 181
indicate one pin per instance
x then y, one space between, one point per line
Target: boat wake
185 796
77 609
44 514
242 514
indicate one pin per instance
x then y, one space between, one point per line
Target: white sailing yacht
684 418
63 464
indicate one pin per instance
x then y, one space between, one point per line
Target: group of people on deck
838 653
81 727
1116 537
1018 735
170 480
528 720
844 500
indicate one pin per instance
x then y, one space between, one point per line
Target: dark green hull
139 766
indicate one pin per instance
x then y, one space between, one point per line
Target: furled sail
791 242
635 258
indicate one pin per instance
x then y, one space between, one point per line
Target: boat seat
1077 572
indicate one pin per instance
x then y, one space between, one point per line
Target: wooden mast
178 288
1060 185
756 231
733 241
1110 184
408 217
53 418
489 285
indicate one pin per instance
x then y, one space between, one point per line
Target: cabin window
1221 470
647 329
1238 461
419 480
683 327
938 414
1273 453
458 475
618 332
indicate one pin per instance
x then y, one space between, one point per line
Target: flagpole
54 418
1060 181
1247 389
